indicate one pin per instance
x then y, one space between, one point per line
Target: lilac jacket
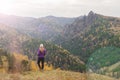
41 54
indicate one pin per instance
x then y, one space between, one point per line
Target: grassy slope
45 75
93 76
53 75
105 56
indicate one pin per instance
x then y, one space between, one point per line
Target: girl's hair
41 48
41 45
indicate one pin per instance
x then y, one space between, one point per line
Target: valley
81 45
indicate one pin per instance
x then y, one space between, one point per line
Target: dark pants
40 61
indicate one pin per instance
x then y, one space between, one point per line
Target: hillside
105 61
73 44
105 56
15 38
10 40
12 67
87 34
54 75
81 36
56 55
93 76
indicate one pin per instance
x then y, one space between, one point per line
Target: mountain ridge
81 37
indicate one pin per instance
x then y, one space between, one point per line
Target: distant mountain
10 38
89 33
16 21
80 25
45 27
57 20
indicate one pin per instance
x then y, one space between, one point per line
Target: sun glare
5 7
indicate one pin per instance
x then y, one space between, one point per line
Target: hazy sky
65 8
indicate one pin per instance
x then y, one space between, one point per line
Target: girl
41 54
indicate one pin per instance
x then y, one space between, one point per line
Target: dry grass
44 75
94 76
53 75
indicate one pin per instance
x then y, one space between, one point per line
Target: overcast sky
61 8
